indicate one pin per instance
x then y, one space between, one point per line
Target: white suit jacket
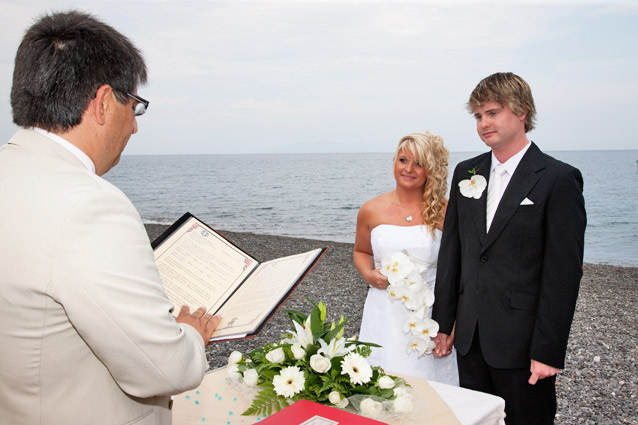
86 333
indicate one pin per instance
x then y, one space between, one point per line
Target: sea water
317 196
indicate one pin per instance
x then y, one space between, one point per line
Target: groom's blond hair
506 89
430 153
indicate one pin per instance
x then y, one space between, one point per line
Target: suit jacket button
484 259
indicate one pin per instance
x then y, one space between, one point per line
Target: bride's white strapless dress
382 321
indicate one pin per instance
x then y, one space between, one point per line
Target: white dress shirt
509 165
88 163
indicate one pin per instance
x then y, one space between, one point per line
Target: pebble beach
599 384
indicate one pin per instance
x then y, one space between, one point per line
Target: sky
297 76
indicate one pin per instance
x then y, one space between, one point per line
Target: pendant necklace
408 217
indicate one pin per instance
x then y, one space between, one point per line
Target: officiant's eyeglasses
140 107
142 104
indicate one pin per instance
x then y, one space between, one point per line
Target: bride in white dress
409 218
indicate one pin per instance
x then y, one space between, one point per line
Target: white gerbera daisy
289 382
357 368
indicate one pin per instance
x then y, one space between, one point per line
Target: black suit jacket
519 282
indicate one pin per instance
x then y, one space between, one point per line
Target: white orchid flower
412 301
397 267
474 187
414 281
394 292
413 324
426 297
430 328
421 345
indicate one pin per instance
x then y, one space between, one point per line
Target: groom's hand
441 348
540 371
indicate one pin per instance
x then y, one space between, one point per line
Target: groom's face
498 126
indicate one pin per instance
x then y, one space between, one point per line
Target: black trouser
525 404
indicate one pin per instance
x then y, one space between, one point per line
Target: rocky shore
599 384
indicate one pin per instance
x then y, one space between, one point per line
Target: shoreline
598 385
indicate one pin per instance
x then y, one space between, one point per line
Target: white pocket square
527 201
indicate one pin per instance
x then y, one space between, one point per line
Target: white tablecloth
472 407
214 402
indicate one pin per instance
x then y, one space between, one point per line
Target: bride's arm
362 256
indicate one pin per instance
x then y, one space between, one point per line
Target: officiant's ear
99 104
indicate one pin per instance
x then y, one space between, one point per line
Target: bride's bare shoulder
378 202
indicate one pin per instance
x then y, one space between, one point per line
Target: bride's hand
377 280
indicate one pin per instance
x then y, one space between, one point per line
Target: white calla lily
336 348
302 334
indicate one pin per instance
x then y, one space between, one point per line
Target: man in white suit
86 331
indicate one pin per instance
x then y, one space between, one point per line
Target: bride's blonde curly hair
429 152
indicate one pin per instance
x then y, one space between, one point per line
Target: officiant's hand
541 371
203 323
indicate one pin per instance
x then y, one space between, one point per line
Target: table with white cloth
218 402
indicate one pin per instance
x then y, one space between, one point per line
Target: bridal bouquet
407 285
316 362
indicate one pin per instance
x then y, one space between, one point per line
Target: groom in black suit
511 258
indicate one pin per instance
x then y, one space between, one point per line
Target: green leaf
386 393
334 332
316 324
264 402
323 310
297 316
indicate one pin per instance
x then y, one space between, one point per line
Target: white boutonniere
473 187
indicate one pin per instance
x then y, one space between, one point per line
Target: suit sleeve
106 279
562 269
448 272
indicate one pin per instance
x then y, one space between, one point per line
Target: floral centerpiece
406 284
316 362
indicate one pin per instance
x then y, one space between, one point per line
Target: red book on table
303 411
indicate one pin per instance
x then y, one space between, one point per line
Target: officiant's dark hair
62 61
505 88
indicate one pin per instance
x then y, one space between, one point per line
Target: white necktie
494 193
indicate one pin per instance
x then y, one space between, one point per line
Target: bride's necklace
408 217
